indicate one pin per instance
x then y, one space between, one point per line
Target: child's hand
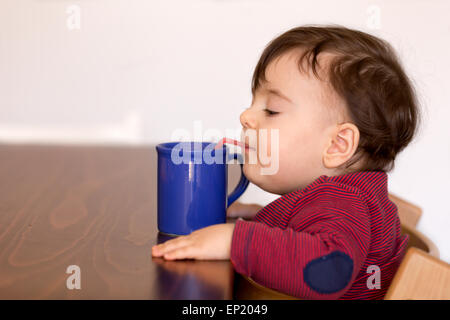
210 243
245 211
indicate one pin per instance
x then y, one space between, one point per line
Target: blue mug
193 185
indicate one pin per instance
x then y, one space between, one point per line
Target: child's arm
242 210
209 243
319 262
213 242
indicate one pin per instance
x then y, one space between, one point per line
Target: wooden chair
420 275
245 288
409 215
408 212
420 241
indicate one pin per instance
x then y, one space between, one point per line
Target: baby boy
343 108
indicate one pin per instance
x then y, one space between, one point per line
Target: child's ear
342 145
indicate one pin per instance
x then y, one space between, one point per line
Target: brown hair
366 73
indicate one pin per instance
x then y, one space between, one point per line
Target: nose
248 119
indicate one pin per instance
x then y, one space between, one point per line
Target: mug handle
243 182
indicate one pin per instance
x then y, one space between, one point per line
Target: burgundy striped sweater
334 239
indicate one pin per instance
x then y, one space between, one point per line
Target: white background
137 70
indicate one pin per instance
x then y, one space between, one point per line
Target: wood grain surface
94 207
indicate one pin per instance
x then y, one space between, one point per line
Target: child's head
343 104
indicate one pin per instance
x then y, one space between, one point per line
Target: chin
247 173
272 190
253 174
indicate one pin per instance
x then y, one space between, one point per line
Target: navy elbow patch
330 273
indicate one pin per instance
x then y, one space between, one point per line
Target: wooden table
93 207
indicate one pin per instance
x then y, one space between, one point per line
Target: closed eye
270 112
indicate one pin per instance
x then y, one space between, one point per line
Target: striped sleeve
317 256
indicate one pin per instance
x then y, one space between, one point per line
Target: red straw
228 140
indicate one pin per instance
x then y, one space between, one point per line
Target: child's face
307 119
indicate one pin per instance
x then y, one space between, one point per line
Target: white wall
136 70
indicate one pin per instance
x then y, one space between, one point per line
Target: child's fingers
161 249
243 210
187 252
232 213
234 210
